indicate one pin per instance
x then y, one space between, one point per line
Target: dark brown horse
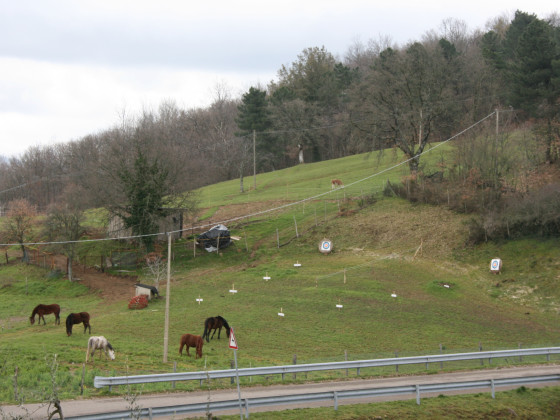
43 310
76 318
194 341
214 323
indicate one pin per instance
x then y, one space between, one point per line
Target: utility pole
255 159
167 293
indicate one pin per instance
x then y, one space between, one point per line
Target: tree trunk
69 268
25 257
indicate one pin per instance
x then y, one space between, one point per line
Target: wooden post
255 159
83 377
295 363
174 371
295 222
16 383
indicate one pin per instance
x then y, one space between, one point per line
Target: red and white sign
232 340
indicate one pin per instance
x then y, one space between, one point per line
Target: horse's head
32 320
110 351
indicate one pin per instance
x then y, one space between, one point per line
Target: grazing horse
42 310
336 183
76 318
99 343
214 323
190 340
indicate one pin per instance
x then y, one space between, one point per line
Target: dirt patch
110 288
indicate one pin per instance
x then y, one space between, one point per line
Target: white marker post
233 345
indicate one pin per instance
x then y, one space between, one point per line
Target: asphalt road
103 405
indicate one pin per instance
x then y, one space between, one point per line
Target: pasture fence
100 381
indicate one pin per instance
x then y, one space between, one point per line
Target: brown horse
190 340
76 318
43 310
215 323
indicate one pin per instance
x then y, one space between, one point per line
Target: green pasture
446 298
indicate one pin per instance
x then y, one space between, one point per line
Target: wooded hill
503 81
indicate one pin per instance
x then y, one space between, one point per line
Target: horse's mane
224 321
109 346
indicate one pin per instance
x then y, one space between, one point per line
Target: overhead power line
282 207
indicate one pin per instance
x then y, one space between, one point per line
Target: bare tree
19 224
64 225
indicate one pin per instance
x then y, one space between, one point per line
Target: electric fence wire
259 213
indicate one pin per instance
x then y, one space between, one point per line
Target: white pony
99 343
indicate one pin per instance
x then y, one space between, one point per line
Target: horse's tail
206 333
88 343
69 323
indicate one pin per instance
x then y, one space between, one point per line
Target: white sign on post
232 341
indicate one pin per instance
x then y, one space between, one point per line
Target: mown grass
381 246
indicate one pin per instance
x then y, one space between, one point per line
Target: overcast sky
69 68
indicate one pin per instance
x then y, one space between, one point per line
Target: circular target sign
496 264
325 246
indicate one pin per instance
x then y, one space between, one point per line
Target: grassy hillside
446 297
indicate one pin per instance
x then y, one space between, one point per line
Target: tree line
378 96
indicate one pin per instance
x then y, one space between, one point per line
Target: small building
144 289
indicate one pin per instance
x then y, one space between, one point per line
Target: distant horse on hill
215 323
99 343
43 310
336 183
189 340
76 318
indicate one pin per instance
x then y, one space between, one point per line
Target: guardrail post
520 358
440 352
335 397
493 389
480 349
295 363
246 408
417 394
232 367
150 413
396 364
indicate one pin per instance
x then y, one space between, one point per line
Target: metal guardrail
334 396
100 381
